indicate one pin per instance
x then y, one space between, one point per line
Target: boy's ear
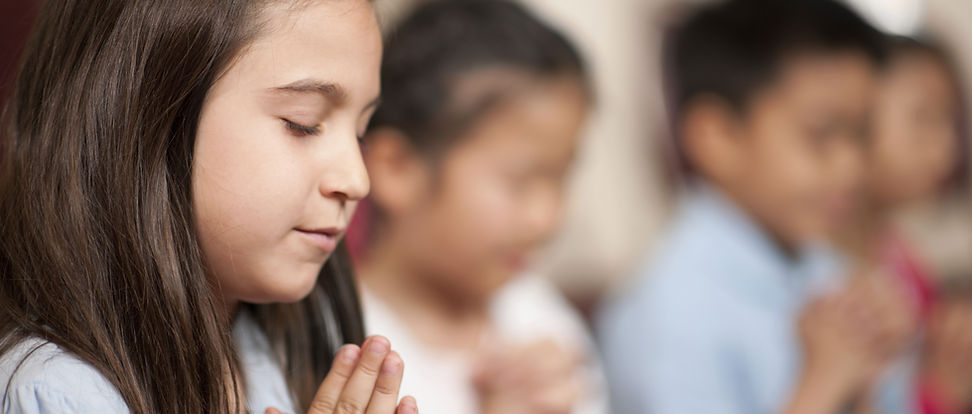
712 138
399 175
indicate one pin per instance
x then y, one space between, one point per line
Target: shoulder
266 385
677 293
40 377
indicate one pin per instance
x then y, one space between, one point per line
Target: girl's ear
399 175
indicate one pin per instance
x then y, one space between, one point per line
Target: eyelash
302 130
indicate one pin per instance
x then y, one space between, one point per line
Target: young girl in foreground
482 108
175 176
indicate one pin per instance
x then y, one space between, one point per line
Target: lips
325 239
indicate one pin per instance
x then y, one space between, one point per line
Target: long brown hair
98 249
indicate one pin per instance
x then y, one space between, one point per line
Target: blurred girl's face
915 131
498 193
277 169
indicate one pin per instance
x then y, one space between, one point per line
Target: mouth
325 239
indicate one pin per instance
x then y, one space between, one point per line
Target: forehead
333 40
920 67
545 116
834 79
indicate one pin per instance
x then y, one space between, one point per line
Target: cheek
474 209
468 219
889 156
910 156
247 196
782 167
242 185
795 188
910 171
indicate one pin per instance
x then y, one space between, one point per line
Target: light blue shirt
710 326
41 378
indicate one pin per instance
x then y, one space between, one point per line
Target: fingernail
378 345
350 354
392 365
409 406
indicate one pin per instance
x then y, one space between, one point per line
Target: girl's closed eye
302 130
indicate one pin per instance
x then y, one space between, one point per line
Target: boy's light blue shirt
710 326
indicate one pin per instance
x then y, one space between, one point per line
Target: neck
231 307
228 304
750 211
436 314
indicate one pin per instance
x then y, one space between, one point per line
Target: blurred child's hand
850 336
362 381
540 378
837 360
948 359
833 346
881 311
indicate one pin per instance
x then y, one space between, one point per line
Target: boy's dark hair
439 43
732 49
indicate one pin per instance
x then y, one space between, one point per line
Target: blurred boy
770 103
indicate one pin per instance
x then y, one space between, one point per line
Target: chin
292 296
290 289
492 282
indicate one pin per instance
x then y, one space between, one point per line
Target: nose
346 178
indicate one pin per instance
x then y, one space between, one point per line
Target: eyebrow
332 91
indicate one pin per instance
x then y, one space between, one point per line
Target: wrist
820 392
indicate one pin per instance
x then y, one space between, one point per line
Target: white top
51 380
526 310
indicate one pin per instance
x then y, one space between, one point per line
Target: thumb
272 410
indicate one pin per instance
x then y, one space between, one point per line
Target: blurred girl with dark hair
482 107
916 154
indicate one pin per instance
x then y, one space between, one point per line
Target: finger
559 398
502 367
538 356
325 401
486 365
357 393
553 367
271 410
407 406
385 397
895 305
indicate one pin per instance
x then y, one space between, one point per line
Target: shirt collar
765 270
